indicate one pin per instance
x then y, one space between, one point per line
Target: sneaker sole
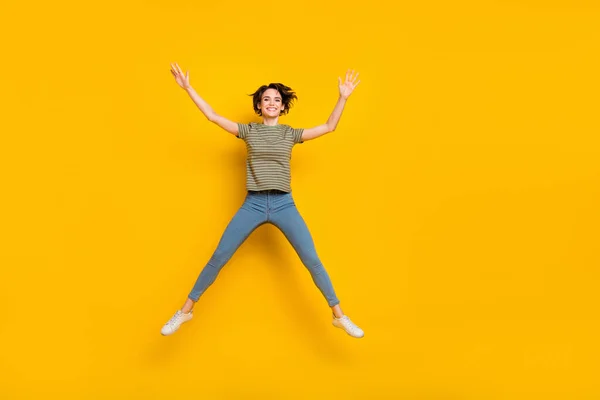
338 325
169 334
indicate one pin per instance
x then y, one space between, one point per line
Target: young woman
268 199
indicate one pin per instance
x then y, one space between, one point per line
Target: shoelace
349 324
173 319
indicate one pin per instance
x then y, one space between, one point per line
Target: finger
179 69
356 84
339 80
174 68
347 75
355 77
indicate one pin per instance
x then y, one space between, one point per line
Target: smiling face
271 104
273 100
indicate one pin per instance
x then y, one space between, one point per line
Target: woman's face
271 104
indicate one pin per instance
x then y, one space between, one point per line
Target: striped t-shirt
269 153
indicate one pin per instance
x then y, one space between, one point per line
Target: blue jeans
277 208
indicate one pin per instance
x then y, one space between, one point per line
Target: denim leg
250 216
286 217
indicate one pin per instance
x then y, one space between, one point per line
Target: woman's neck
270 121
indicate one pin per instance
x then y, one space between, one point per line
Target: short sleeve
243 130
297 135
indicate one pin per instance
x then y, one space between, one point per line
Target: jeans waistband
268 191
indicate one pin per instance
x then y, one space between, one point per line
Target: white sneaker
349 326
175 322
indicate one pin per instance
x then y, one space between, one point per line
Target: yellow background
456 207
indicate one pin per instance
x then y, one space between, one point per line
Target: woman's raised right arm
184 81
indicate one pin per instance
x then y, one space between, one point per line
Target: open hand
349 84
181 79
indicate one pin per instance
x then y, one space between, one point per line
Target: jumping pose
269 199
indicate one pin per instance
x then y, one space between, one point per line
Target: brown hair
287 96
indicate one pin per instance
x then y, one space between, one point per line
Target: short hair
288 96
